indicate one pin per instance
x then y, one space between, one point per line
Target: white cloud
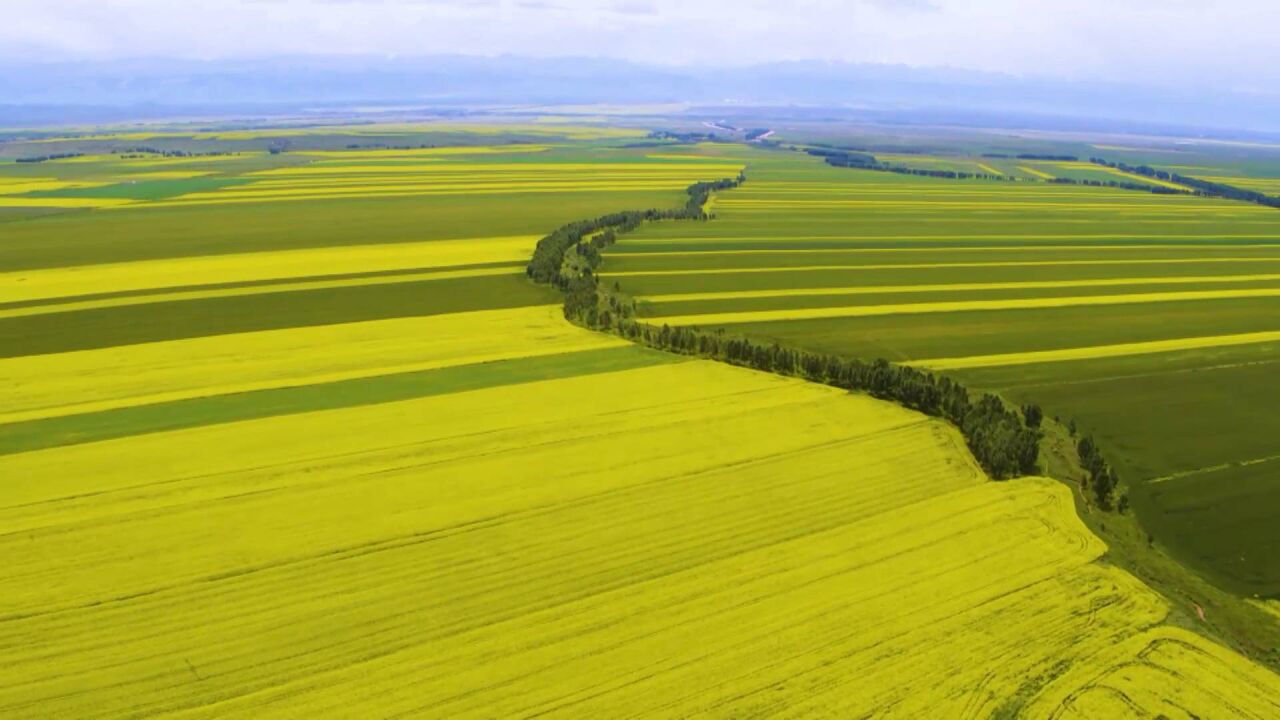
1169 41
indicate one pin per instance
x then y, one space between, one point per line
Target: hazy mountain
116 90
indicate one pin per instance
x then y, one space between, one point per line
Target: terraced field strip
912 266
1097 351
255 289
923 243
964 306
1028 285
43 386
71 284
931 205
14 201
162 296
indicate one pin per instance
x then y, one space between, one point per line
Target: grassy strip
196 412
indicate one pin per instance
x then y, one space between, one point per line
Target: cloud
1167 41
905 5
636 7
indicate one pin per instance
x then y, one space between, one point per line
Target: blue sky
1171 42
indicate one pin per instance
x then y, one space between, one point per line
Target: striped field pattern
1143 317
253 471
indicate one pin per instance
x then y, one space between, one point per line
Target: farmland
1147 319
305 442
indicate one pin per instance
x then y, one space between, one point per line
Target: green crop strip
217 409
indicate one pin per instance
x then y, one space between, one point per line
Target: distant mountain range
32 93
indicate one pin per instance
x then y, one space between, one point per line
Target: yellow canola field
964 306
738 544
1165 672
431 188
1038 173
165 175
426 153
704 249
177 273
950 206
63 202
569 169
444 461
161 161
18 186
1097 351
943 287
603 186
909 266
222 292
103 379
709 158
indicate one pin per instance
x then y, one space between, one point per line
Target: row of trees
1102 477
572 249
1003 442
867 161
1201 187
142 150
1033 156
46 158
1120 184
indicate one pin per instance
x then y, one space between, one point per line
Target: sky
1163 42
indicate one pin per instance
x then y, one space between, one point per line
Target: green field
304 441
928 271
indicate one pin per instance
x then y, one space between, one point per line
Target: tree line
1200 187
1102 477
1033 156
1120 184
143 150
1004 440
553 263
46 158
867 161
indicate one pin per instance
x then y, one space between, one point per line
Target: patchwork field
1018 168
1150 320
310 450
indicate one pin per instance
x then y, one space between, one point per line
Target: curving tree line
1004 440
